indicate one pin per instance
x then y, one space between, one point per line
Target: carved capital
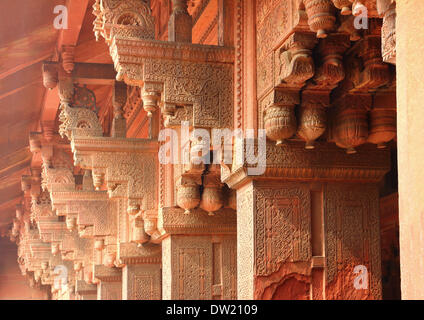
123 19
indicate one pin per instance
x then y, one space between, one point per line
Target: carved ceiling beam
83 73
68 39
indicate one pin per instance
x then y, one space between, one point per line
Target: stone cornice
133 51
175 221
105 144
325 163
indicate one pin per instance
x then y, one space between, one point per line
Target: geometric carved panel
202 267
142 281
283 228
192 273
352 229
143 284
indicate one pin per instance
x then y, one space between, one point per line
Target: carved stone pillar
180 22
307 225
109 283
141 273
410 117
85 291
199 255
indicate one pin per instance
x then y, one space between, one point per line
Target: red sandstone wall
13 285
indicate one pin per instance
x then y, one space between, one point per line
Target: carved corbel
50 227
150 220
188 192
350 126
382 124
367 72
375 73
344 5
330 70
66 90
123 19
151 94
296 64
125 166
212 198
35 184
57 171
279 116
347 26
321 16
174 115
78 250
313 116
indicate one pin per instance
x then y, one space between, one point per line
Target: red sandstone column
410 124
199 255
180 22
309 228
109 283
